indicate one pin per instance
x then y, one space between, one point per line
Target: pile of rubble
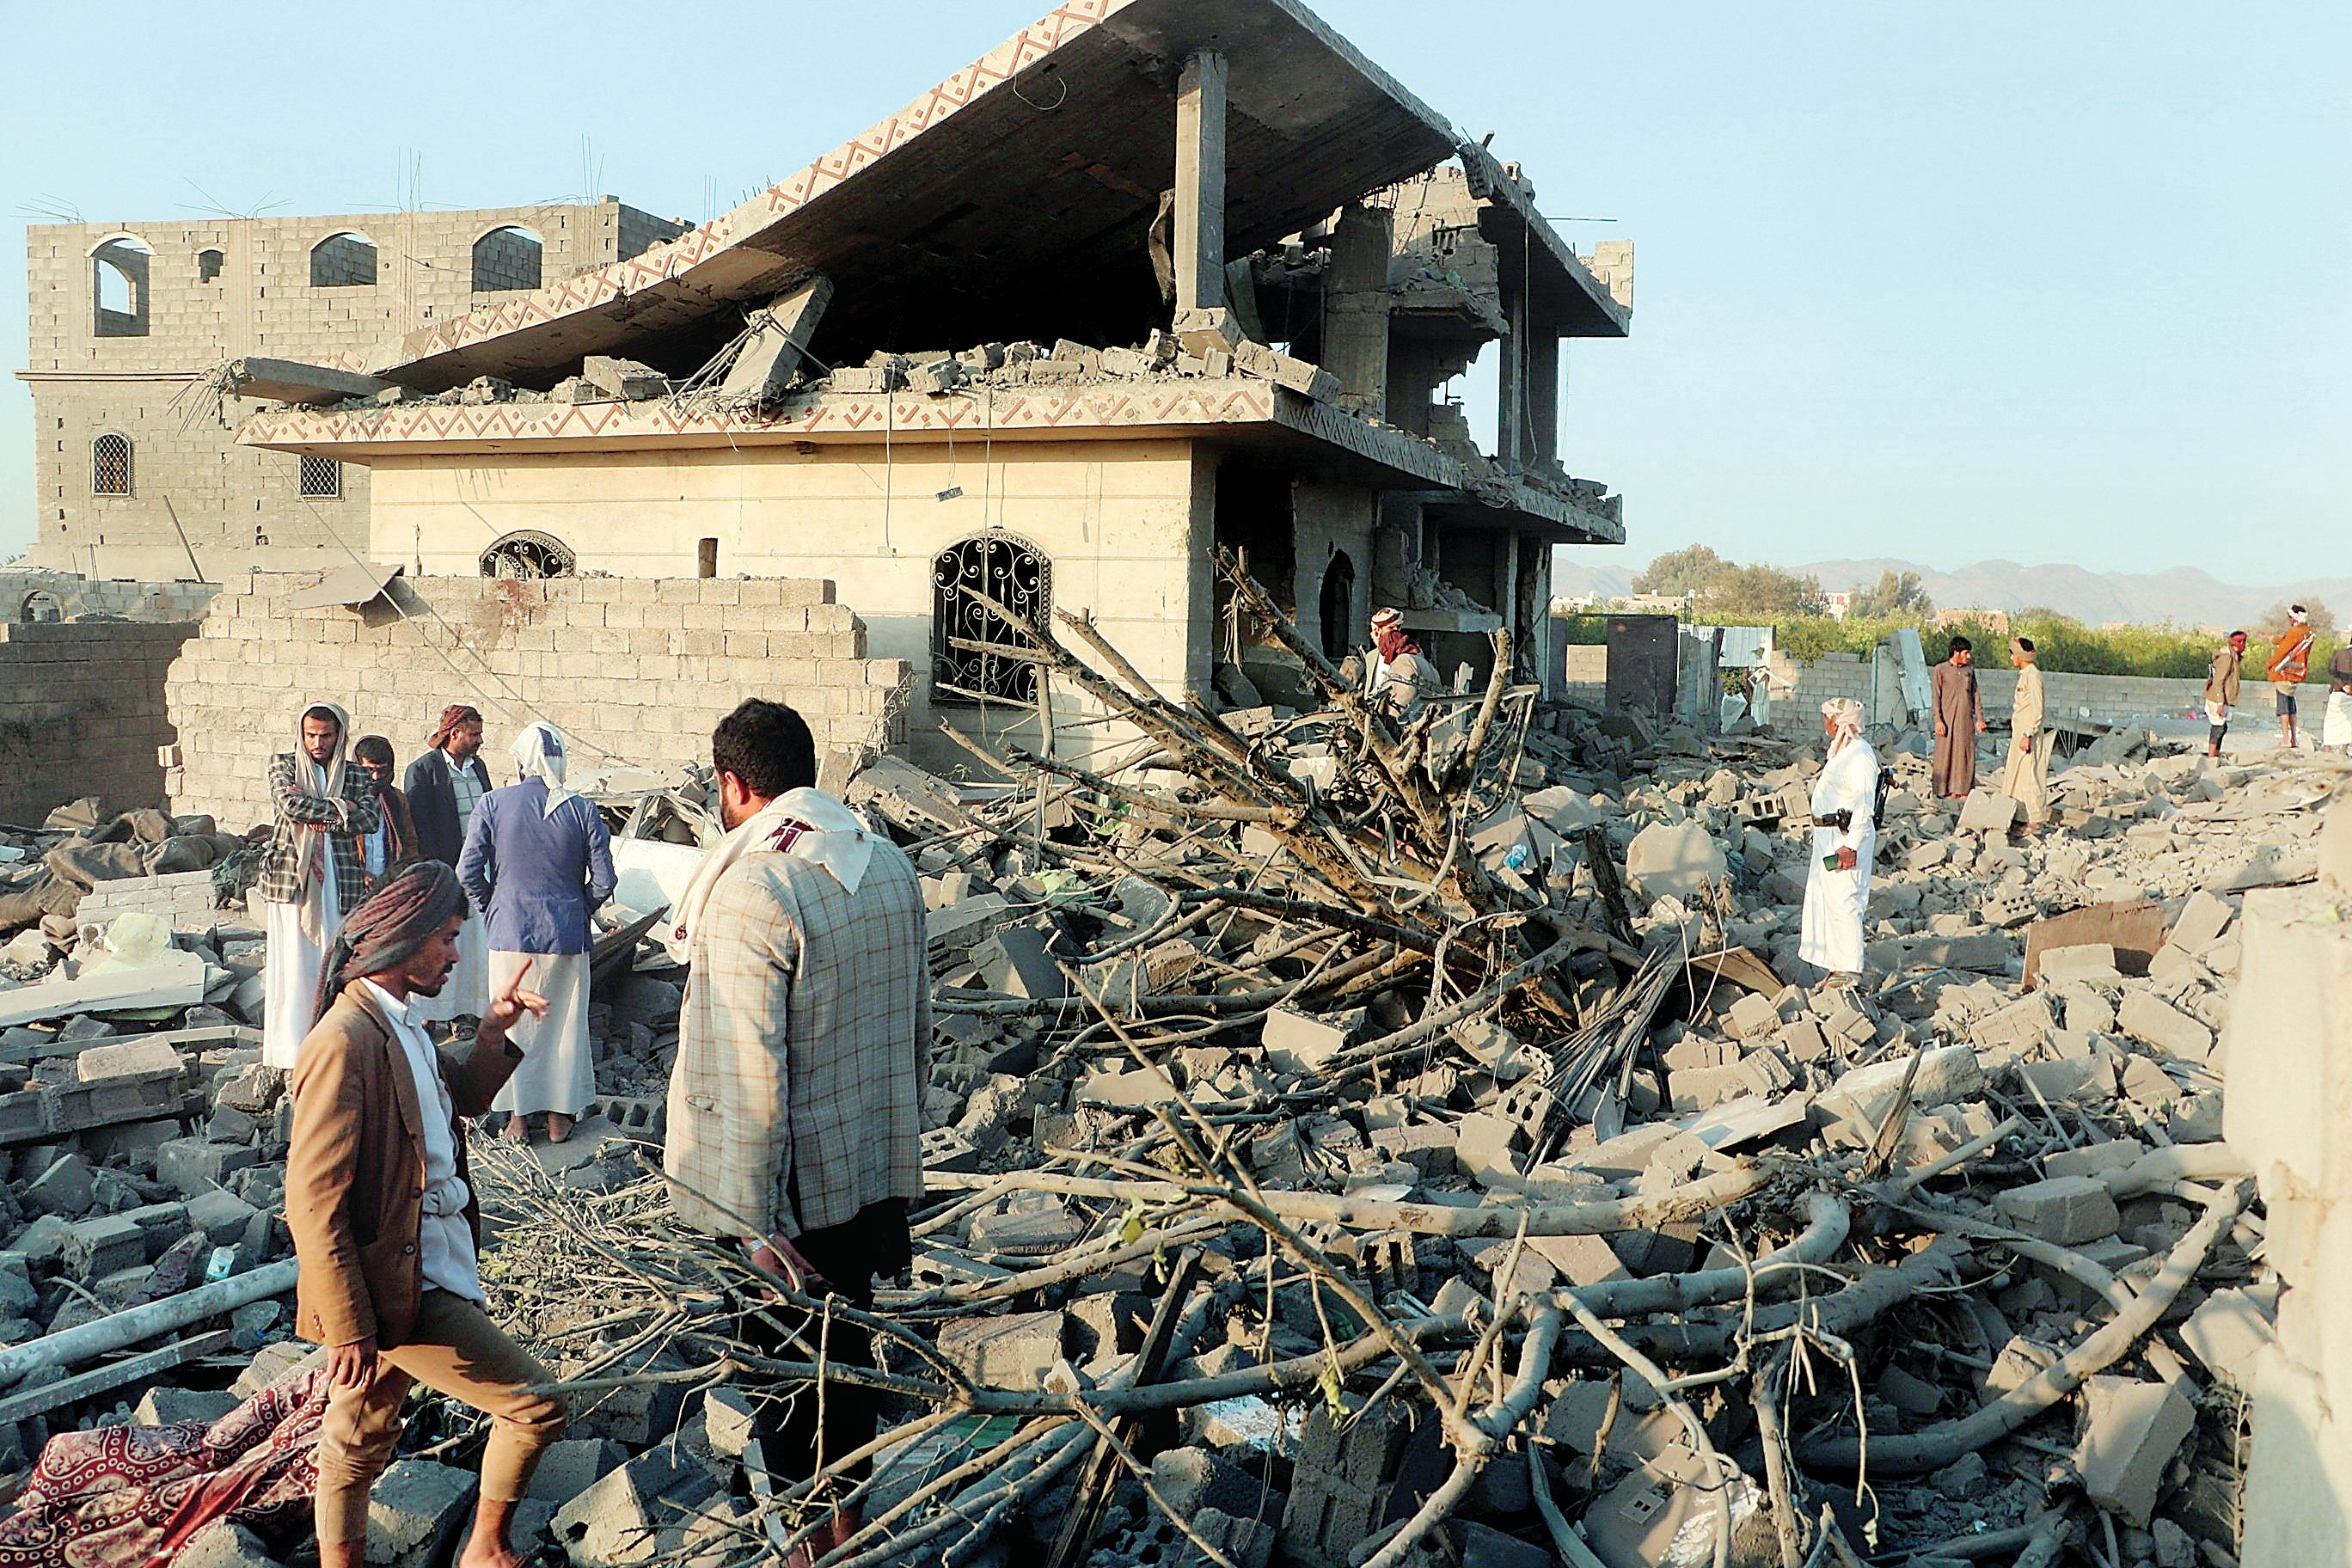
1355 1142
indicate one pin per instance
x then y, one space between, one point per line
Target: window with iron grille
322 478
965 632
109 466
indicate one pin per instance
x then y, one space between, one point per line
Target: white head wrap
1844 714
312 854
539 753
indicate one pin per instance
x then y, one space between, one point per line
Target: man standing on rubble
1397 677
2026 779
386 1226
538 863
2290 662
311 872
1959 719
443 786
1845 844
795 1101
2222 689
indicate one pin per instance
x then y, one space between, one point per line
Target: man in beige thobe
1959 719
2025 780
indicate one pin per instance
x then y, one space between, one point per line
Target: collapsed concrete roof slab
1239 411
288 381
1041 163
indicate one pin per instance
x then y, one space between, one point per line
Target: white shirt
445 1243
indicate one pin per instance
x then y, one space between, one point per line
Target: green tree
1895 595
1724 590
1692 570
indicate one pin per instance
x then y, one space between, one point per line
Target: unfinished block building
137 471
1152 278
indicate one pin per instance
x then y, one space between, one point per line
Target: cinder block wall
638 667
82 712
78 596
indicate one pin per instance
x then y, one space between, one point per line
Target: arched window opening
343 260
507 258
965 668
118 284
527 556
109 466
1336 606
209 263
40 604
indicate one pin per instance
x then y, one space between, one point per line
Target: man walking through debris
394 840
310 872
2290 662
2337 730
795 1101
385 1226
1845 844
444 786
537 862
1397 677
2222 689
1959 719
2026 778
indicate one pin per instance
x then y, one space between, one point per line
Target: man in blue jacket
538 861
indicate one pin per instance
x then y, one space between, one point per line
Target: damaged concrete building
1149 278
136 470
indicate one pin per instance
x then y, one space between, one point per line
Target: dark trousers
785 1418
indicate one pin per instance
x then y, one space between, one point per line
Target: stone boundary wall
173 603
641 667
82 713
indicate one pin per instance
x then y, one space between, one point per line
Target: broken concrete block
1677 861
2227 1333
1752 1017
2155 1023
633 1514
2200 922
1011 1351
103 1246
65 1188
410 1507
147 1058
2093 962
1013 962
168 1407
221 1215
2066 1210
569 1466
766 365
193 1165
624 378
1127 1087
1299 1042
1485 1148
2130 1431
223 1543
1987 811
2095 1159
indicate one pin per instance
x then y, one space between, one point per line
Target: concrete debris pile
1361 1140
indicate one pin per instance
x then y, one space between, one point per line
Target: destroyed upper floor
1177 183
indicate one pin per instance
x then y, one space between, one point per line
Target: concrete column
1511 380
2287 1059
1356 309
1200 216
1543 394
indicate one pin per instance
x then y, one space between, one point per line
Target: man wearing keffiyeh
386 1225
311 872
795 1101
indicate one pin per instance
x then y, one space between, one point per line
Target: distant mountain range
2183 595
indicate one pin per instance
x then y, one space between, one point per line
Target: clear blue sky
2048 282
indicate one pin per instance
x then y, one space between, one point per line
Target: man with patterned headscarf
386 1225
1845 844
537 862
311 872
1397 677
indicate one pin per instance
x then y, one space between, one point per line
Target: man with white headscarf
538 861
1846 843
311 872
795 1104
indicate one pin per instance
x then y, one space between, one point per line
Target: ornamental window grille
528 555
321 478
109 466
965 633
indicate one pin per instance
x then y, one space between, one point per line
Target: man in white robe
1845 844
311 872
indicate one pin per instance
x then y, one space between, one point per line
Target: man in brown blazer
385 1226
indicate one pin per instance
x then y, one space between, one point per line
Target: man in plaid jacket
312 872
